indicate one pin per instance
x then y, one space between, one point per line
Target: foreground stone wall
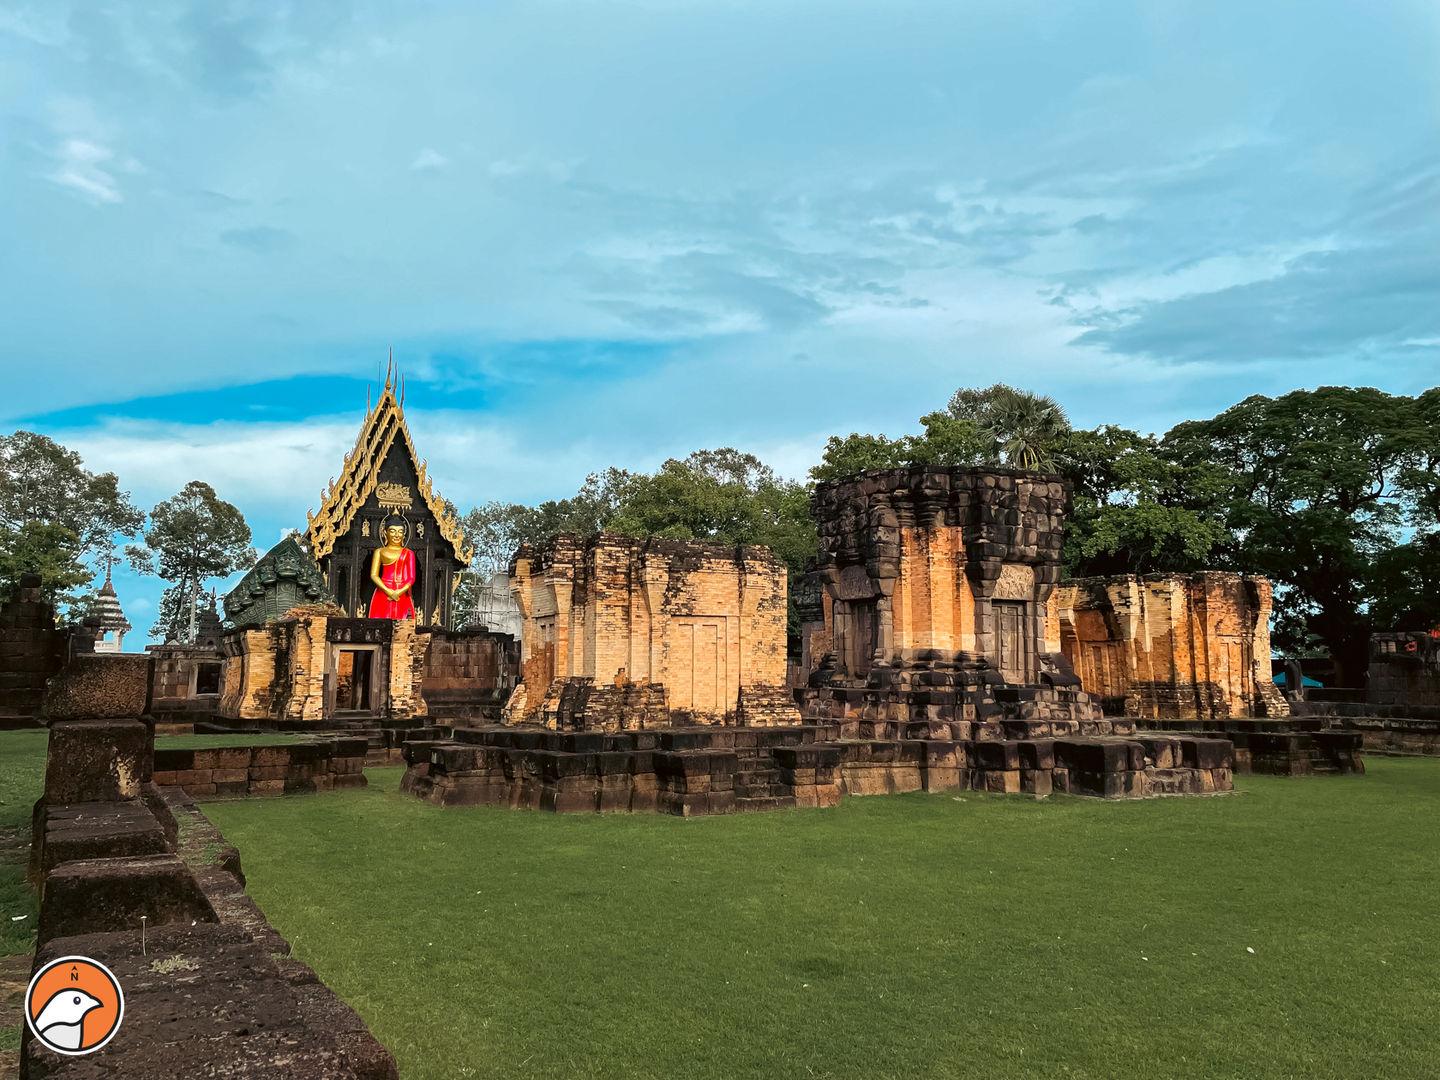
210 989
239 771
1179 646
626 633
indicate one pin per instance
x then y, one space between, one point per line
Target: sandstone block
97 760
96 895
99 686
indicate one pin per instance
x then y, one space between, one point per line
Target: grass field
22 776
914 935
905 936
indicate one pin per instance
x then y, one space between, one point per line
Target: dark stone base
710 770
1299 746
210 1000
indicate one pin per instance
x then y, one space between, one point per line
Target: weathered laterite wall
1178 646
180 687
469 674
32 649
627 633
1404 672
236 771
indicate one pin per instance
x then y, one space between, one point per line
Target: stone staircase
759 784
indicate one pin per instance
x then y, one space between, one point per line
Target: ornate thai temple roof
284 578
384 423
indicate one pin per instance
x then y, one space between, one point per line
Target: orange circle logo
74 1005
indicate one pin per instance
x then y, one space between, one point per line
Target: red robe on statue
397 575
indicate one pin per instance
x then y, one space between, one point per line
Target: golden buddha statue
392 569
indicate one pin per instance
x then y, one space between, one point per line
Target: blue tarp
1304 679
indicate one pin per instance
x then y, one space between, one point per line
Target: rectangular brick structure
620 633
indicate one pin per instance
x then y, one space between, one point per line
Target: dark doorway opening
207 678
352 680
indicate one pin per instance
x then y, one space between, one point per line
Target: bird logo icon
74 1005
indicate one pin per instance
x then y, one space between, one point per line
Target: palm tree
1024 429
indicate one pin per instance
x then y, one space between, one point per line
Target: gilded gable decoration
360 478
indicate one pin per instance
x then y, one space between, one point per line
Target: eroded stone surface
97 760
111 894
626 634
1178 646
99 685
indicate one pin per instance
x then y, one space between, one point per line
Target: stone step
744 804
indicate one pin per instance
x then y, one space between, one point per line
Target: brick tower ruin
934 586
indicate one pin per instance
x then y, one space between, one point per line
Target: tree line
1333 494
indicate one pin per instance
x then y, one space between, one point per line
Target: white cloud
82 167
429 160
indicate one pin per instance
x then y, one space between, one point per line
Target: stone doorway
354 678
697 666
1010 641
859 629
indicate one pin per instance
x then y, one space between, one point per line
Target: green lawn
22 777
904 936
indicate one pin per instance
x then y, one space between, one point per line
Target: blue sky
604 233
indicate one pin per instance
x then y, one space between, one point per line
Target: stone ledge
111 894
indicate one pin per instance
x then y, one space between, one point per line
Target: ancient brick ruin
1398 710
626 634
469 674
186 684
1172 646
1405 674
933 671
32 650
935 583
315 668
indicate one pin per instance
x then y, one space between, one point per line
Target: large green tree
55 515
1130 514
192 536
1317 490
